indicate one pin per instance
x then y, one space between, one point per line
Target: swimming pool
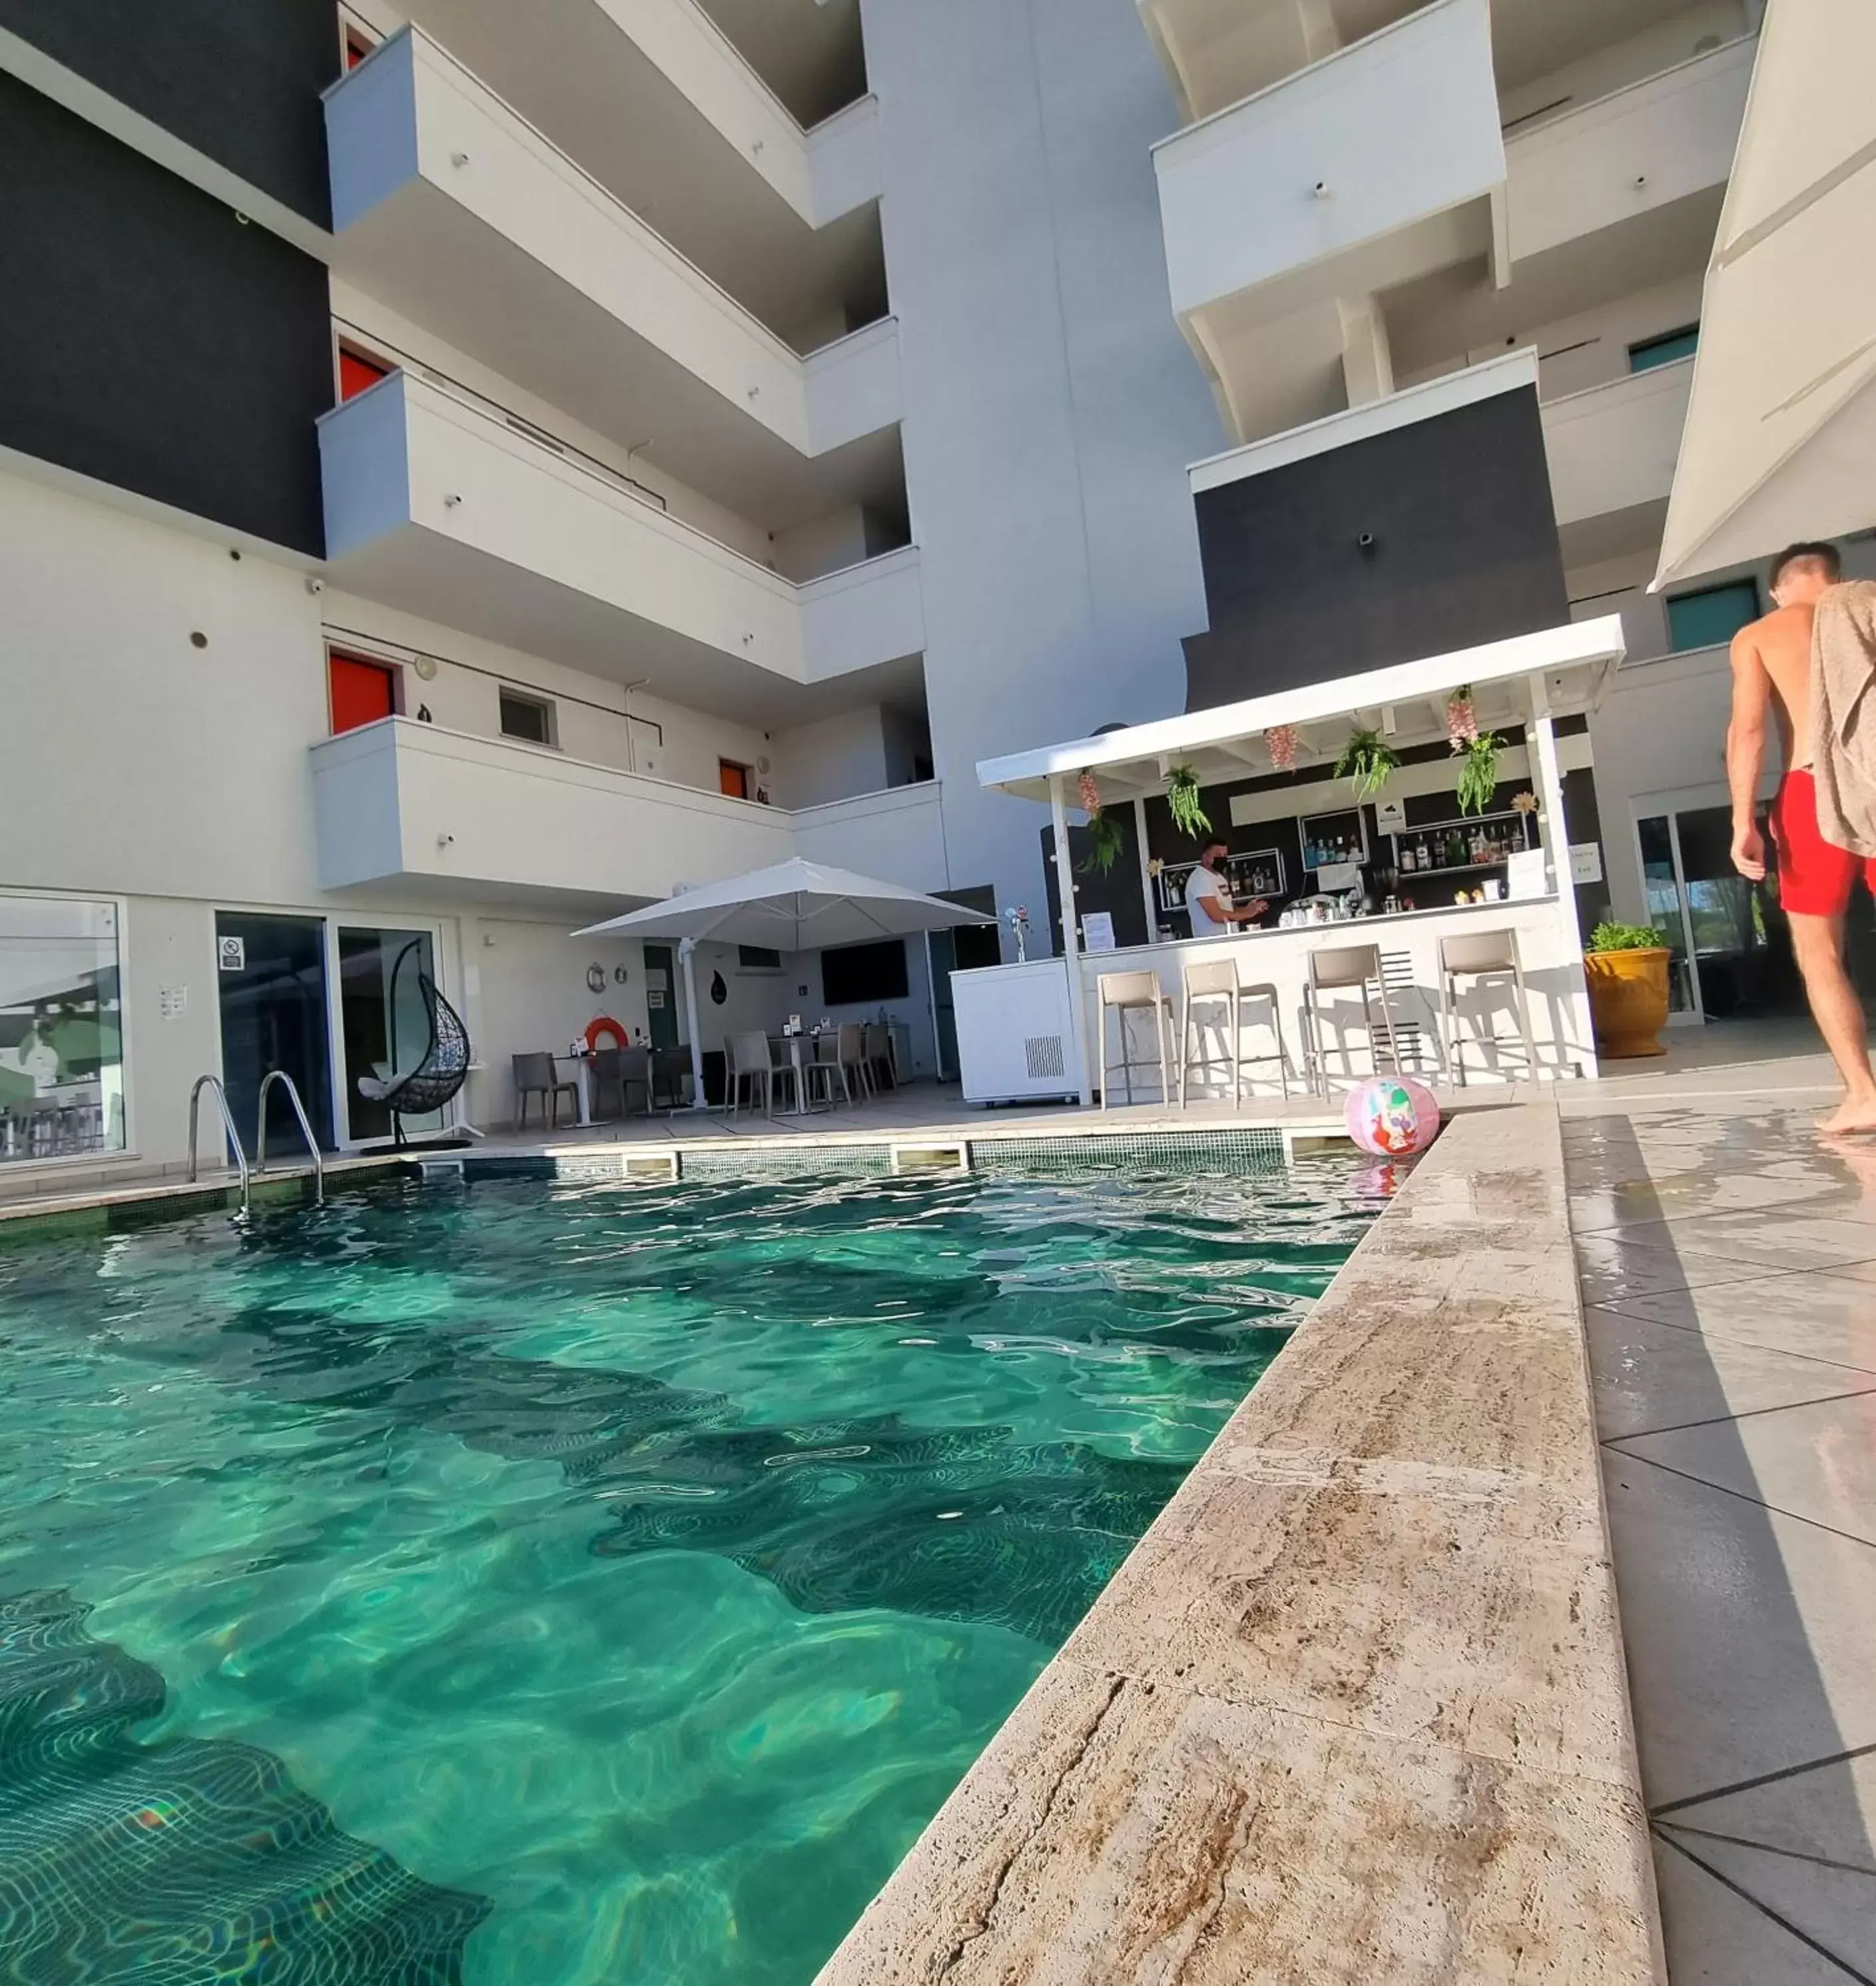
539 1585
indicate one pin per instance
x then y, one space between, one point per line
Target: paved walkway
1728 1263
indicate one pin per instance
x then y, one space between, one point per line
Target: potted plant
1627 968
1478 772
1182 798
1366 762
1104 843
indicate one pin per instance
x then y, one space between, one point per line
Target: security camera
1320 188
1367 541
315 585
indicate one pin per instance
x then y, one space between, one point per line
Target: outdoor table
583 1064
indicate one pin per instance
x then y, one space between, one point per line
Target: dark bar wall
1461 549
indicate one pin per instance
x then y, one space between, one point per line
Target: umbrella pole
687 949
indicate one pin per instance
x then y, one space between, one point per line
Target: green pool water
610 1583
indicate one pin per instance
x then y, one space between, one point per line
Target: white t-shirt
1203 882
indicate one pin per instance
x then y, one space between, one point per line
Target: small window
732 778
1711 618
529 718
862 975
1664 350
758 958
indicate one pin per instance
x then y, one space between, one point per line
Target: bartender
1208 896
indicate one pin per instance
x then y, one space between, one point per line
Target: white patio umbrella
1781 439
796 906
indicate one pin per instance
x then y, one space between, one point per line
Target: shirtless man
1771 673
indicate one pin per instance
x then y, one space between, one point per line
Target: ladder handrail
227 1122
280 1075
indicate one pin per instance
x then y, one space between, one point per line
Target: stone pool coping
1354 1708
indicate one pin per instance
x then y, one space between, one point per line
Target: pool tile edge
1356 1707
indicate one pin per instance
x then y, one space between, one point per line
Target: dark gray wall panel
148 338
238 79
1464 550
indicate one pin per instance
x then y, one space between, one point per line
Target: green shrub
1626 937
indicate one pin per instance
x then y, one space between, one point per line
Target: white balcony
1379 165
1660 141
451 208
399 803
1612 450
655 102
435 504
1217 52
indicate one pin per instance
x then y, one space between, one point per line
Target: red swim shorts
1815 877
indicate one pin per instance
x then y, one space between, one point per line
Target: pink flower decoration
1280 741
1462 719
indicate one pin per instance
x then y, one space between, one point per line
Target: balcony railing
436 504
1379 164
1658 141
1613 447
400 800
450 205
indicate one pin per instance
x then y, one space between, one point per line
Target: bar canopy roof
1557 672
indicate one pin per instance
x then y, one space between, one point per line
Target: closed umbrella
796 906
1781 426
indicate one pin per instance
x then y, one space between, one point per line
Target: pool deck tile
1738 1423
1354 1708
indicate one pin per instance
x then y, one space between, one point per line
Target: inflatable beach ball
1390 1116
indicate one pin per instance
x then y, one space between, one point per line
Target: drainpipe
1071 948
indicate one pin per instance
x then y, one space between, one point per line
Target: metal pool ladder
228 1124
280 1076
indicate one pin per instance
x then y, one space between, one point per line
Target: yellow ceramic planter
1628 1000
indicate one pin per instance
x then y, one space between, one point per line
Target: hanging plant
1462 718
1366 762
1478 773
1280 742
1182 797
1090 793
1104 844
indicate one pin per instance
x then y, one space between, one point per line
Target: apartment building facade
468 469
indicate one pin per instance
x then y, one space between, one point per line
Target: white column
1550 779
1071 947
1367 358
1145 873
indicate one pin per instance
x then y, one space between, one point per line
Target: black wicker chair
438 1073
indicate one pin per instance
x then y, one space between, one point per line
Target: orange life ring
605 1026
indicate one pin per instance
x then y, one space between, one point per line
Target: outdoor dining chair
624 1070
750 1060
533 1076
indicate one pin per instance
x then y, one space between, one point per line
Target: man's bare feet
1855 1113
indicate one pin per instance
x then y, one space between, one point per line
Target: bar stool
1481 957
1332 968
1125 993
1217 980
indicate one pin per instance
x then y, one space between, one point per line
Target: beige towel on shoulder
1844 715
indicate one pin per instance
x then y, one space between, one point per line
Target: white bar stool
1481 957
1217 980
1123 994
1333 968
